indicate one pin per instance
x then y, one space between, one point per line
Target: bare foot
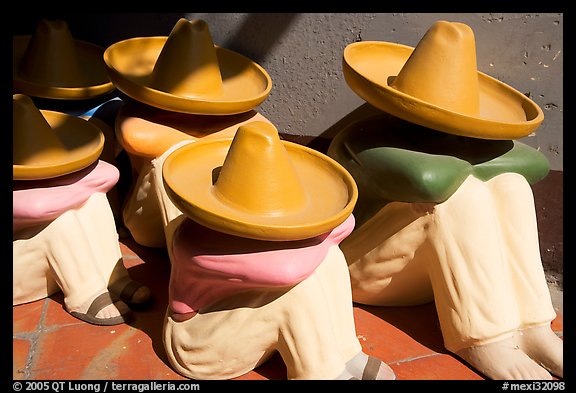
363 366
503 360
545 347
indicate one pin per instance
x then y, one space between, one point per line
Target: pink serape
208 265
38 201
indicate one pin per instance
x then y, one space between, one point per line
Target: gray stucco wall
302 52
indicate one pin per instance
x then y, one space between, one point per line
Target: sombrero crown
51 64
437 85
442 70
185 72
260 187
187 65
48 144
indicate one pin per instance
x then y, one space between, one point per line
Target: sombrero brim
130 63
370 66
96 82
188 178
83 141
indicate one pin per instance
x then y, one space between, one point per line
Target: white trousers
476 254
78 253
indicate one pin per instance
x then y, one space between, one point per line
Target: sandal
371 369
101 301
125 289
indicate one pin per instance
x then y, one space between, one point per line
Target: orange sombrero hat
185 72
49 144
51 64
437 85
257 186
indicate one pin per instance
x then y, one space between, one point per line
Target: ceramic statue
445 209
63 74
180 88
255 225
50 63
64 233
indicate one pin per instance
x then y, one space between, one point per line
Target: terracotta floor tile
26 317
434 367
20 352
55 314
397 333
85 351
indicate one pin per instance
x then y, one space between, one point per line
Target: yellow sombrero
51 64
257 186
49 144
437 85
185 72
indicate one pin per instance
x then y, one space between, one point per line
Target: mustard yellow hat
185 72
49 144
258 186
51 64
437 85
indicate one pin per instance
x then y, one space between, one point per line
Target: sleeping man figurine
445 208
254 225
64 234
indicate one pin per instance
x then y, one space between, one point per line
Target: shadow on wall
254 37
102 29
258 34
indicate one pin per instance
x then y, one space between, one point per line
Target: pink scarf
210 265
38 201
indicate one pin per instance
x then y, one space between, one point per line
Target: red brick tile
137 356
56 314
20 352
85 351
396 333
26 317
435 367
